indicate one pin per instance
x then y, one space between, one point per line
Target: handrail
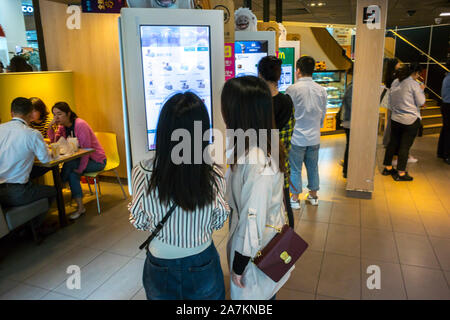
418 49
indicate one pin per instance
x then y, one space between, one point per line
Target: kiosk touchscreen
250 48
164 52
289 53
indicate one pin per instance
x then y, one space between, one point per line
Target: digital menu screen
287 56
247 55
174 59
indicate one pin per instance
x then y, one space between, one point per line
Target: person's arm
54 136
83 135
138 217
255 197
38 145
221 208
419 95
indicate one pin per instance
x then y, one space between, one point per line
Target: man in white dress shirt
19 145
310 102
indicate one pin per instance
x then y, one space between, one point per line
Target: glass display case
334 81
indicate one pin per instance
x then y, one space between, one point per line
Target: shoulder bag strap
157 229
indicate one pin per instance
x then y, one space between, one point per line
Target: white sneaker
77 214
394 162
295 204
411 159
313 201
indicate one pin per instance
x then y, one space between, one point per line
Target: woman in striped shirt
41 119
182 261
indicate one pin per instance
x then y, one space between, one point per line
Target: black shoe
447 160
405 177
387 172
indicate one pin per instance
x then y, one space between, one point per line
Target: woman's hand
237 280
53 123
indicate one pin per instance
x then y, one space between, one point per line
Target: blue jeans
68 174
310 156
197 277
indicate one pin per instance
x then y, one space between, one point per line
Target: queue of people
182 263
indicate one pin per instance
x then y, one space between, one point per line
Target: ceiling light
445 14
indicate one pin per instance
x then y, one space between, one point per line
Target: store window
18 36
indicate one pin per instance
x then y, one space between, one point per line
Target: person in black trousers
444 138
407 97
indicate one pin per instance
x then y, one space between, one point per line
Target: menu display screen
287 56
174 59
247 55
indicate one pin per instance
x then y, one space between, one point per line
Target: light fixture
445 14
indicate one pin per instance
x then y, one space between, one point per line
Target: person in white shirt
19 145
310 102
406 97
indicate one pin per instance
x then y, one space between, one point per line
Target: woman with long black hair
182 262
407 96
254 188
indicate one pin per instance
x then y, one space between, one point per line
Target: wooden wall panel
92 53
366 100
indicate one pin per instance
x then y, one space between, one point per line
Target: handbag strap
160 225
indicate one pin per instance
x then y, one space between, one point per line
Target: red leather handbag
280 254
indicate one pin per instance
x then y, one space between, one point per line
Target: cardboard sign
229 61
293 37
102 6
227 6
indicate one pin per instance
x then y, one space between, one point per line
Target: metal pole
266 11
279 11
248 4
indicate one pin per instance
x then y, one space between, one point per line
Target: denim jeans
68 174
310 156
196 277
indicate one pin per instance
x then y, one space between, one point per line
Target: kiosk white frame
268 36
133 97
291 44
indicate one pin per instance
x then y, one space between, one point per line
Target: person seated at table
19 145
69 125
41 119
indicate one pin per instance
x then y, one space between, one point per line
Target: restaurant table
54 165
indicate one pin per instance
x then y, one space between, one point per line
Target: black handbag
160 225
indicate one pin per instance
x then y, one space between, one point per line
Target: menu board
174 59
247 55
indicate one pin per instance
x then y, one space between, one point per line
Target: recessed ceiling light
445 14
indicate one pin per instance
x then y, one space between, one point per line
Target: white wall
13 23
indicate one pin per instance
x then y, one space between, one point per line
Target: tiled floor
404 230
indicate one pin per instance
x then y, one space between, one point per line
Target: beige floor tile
447 275
288 294
340 277
344 240
306 273
391 286
110 236
436 224
378 245
347 214
24 292
56 296
53 274
441 247
129 245
320 213
407 222
314 233
425 284
415 250
123 285
95 274
140 295
375 215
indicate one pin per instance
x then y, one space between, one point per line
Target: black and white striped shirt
183 229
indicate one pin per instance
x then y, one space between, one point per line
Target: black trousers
444 138
16 194
347 145
402 138
287 201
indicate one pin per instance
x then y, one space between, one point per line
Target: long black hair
390 73
64 107
247 104
189 185
19 64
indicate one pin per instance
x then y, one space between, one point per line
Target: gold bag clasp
285 257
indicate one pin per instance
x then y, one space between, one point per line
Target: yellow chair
109 143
